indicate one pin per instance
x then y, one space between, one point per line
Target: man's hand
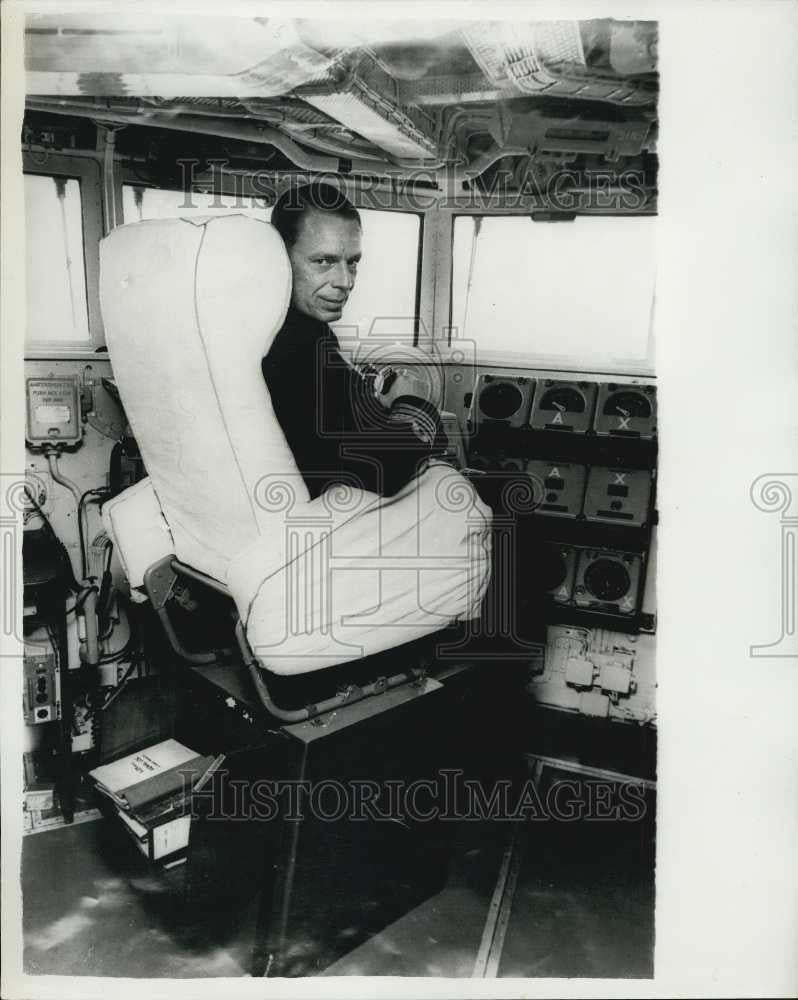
395 383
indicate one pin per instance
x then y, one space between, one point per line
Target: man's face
324 261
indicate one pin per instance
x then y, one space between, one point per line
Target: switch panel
560 485
42 699
618 496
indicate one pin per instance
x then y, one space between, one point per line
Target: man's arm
337 428
393 439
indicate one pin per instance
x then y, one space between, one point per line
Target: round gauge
607 580
564 399
626 403
500 401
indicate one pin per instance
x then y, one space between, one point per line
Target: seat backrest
190 307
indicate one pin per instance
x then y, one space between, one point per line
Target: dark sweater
335 428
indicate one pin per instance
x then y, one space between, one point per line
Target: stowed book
151 790
143 780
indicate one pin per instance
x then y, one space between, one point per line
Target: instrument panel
606 409
586 449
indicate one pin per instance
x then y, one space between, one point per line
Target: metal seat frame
159 585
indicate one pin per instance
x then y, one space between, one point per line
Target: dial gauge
607 580
626 403
563 399
500 400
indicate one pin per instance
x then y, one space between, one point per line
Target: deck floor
583 906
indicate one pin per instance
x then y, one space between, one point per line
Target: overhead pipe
478 166
305 160
245 132
145 109
272 118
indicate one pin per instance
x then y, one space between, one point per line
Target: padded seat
190 307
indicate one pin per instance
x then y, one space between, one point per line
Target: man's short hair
292 205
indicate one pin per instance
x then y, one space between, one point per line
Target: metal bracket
350 692
159 582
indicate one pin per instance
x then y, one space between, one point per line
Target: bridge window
139 202
383 302
55 265
575 294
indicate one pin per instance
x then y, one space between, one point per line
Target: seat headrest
190 307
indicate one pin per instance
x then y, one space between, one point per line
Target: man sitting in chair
366 430
339 424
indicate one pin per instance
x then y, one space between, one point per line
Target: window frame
231 184
88 174
546 362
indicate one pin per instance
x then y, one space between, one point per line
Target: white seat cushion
353 579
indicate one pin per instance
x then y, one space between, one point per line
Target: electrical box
594 704
42 698
579 672
597 673
53 411
615 678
